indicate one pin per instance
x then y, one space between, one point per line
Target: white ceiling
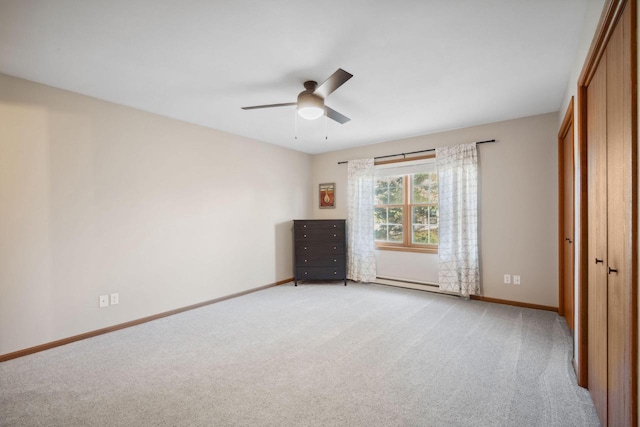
419 66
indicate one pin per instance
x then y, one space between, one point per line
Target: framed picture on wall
328 195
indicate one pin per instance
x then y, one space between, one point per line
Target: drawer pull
305 248
305 226
305 260
334 248
335 272
334 235
305 273
335 260
304 235
334 226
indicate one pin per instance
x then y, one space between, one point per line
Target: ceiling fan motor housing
310 106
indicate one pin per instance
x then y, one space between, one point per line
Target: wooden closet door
567 267
608 89
597 242
619 225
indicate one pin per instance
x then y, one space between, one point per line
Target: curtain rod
414 152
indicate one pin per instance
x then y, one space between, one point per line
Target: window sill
424 250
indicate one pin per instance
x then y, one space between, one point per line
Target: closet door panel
619 226
610 111
597 242
568 227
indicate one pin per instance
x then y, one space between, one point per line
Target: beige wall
97 198
518 204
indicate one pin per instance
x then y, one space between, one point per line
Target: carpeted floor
315 355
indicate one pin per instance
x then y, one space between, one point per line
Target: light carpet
312 355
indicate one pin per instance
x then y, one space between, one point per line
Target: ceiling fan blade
288 104
334 115
336 80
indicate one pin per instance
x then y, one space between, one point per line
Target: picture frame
327 194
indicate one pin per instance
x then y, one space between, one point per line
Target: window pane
395 216
396 190
424 220
380 215
389 190
381 192
420 234
434 237
395 233
388 233
433 215
424 188
388 224
420 214
381 232
425 235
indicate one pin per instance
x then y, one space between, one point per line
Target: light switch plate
115 299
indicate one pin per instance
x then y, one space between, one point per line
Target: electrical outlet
516 280
104 301
115 299
507 278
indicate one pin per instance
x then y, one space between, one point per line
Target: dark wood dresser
320 250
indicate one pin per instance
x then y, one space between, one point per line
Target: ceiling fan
310 102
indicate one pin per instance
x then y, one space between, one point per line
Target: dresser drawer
324 224
320 235
327 273
313 248
319 260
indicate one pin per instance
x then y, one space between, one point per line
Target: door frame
567 124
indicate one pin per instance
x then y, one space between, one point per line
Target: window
406 208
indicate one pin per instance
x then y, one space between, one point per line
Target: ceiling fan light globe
310 106
310 113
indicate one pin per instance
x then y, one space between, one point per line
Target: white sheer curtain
361 257
458 207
